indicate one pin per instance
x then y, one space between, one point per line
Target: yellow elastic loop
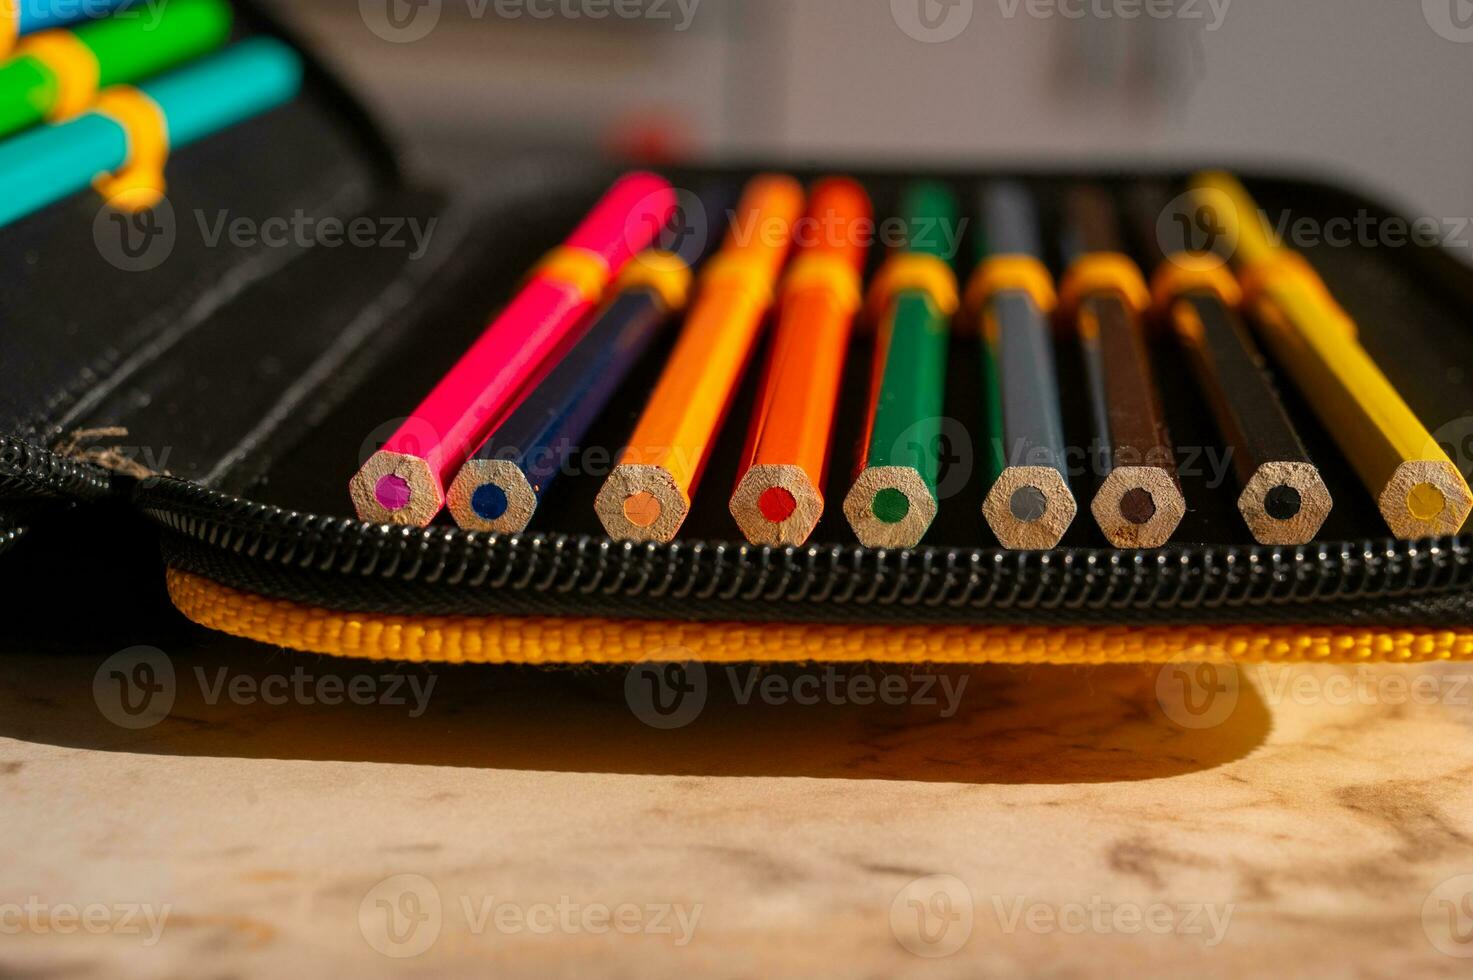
585 271
139 183
1194 272
739 271
73 68
1011 273
1101 272
664 272
826 272
1292 272
907 272
9 25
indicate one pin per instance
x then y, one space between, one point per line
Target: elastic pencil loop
1011 273
826 272
1101 272
1193 273
73 68
738 270
585 271
664 272
139 183
1285 267
9 26
909 272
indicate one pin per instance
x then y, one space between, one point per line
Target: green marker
128 46
893 500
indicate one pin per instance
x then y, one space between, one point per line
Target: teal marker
44 165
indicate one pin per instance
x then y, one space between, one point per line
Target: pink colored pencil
404 482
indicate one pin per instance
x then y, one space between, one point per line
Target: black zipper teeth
1184 578
28 471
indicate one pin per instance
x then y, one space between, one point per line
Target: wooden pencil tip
1139 507
641 503
1426 498
1285 503
393 488
776 504
890 507
1029 508
491 495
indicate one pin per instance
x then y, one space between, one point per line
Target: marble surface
1000 822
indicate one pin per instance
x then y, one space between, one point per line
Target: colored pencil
19 18
44 165
404 482
55 75
1011 295
1419 490
893 499
648 494
1283 498
499 487
1140 503
779 491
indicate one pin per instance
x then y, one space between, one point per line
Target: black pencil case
225 392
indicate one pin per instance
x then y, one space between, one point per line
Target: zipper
28 471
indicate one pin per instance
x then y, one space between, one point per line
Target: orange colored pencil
648 495
779 493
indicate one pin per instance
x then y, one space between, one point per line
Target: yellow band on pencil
828 272
139 183
1011 273
664 272
1194 272
585 271
740 271
1103 272
909 272
74 70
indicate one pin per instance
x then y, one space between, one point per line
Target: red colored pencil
405 481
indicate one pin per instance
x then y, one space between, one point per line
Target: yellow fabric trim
827 272
1101 272
664 272
585 271
139 183
1009 273
73 67
552 640
914 272
9 26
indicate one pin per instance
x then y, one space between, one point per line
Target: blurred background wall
1371 91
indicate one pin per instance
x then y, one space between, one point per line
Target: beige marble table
1042 821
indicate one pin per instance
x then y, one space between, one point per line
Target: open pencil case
229 391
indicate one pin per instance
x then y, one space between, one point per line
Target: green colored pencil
893 500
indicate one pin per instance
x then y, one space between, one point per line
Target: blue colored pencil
39 15
44 165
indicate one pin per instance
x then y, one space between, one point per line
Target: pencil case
225 395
